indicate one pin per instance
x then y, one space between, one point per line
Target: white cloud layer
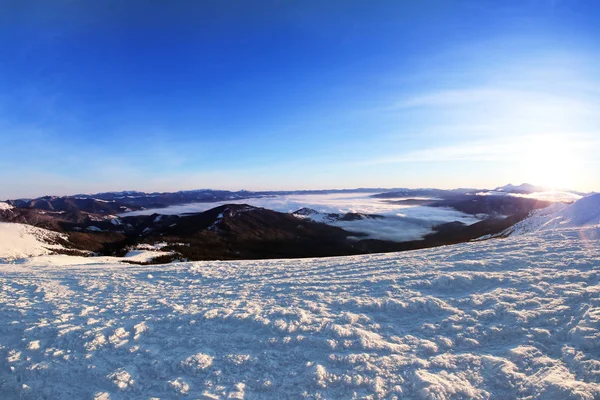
401 223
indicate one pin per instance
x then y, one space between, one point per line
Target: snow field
511 318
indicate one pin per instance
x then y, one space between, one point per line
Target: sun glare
549 162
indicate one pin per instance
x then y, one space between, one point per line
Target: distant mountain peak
522 188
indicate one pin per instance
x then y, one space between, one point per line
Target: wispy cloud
502 99
507 149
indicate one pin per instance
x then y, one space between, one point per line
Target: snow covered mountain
511 318
522 188
583 212
20 241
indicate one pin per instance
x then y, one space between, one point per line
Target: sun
549 161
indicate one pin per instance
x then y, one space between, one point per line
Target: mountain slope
237 231
512 318
20 241
583 212
74 204
492 205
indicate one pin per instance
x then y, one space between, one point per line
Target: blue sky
156 95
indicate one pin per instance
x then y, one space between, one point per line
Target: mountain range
96 224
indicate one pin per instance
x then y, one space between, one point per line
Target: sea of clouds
401 222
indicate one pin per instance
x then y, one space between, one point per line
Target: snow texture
510 318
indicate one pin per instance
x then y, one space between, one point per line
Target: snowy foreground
511 318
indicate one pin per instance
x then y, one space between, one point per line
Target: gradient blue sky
170 95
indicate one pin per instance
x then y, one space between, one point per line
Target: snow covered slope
583 212
500 319
19 241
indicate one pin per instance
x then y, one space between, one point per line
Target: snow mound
20 241
5 206
500 319
583 212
